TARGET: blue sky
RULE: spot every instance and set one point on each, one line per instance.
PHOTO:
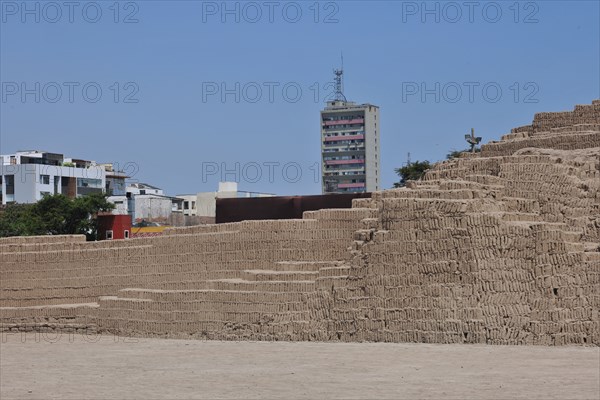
(158, 68)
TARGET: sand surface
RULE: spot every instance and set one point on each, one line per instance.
(74, 367)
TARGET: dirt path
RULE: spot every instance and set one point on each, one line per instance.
(121, 368)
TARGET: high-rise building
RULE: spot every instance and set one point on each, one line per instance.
(349, 145)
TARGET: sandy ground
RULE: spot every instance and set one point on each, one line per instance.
(74, 367)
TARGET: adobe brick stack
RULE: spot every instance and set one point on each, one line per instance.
(498, 248)
(569, 130)
(501, 247)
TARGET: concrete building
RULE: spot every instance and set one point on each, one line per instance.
(149, 203)
(152, 207)
(350, 147)
(116, 184)
(144, 188)
(27, 176)
(349, 144)
(116, 189)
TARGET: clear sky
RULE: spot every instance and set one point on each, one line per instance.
(434, 68)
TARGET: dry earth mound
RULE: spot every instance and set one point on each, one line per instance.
(501, 247)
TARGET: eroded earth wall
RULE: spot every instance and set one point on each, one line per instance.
(498, 247)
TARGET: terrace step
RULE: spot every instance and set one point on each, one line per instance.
(212, 295)
(271, 275)
(124, 304)
(48, 327)
(274, 286)
(303, 265)
(331, 282)
(334, 271)
(248, 317)
(241, 285)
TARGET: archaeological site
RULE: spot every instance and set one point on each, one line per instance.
(496, 247)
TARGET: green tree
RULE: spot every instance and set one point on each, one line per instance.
(54, 215)
(19, 220)
(85, 211)
(411, 172)
(457, 153)
(454, 154)
(54, 212)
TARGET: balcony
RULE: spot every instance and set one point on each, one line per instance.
(340, 138)
(351, 185)
(344, 122)
(330, 154)
(344, 162)
(338, 170)
(345, 175)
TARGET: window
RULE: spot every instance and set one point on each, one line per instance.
(44, 194)
(109, 235)
(10, 187)
(45, 179)
(91, 183)
(126, 234)
(87, 186)
(142, 191)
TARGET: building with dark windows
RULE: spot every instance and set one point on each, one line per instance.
(350, 147)
(28, 176)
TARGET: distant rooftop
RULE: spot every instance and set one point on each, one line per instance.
(338, 105)
(144, 186)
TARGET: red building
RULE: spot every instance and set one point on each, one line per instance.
(112, 226)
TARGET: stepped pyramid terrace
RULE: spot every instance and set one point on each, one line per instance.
(496, 247)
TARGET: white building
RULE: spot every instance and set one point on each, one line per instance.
(27, 176)
(204, 204)
(149, 203)
(144, 188)
(350, 144)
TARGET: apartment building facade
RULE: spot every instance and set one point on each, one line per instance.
(350, 147)
(28, 176)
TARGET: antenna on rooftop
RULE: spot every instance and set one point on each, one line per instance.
(339, 82)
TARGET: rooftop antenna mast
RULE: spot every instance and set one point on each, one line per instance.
(339, 82)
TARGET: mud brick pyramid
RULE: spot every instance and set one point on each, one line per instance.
(499, 247)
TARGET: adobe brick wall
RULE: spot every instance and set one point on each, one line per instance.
(502, 247)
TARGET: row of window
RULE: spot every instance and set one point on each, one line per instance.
(347, 148)
(344, 158)
(342, 117)
(340, 174)
(338, 134)
(81, 182)
(360, 166)
(358, 125)
(109, 235)
(186, 205)
(341, 142)
(354, 190)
